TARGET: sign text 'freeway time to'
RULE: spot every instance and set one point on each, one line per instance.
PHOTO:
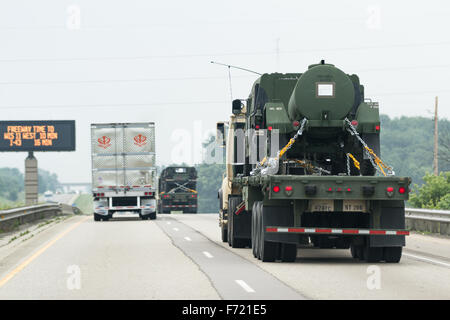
(51, 135)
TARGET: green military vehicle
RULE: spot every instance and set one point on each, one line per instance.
(304, 169)
(177, 190)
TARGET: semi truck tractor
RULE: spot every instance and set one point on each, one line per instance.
(177, 190)
(123, 170)
(304, 169)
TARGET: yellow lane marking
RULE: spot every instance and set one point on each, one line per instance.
(21, 266)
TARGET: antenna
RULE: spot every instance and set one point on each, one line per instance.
(229, 73)
(230, 66)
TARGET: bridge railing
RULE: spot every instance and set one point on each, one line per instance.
(427, 220)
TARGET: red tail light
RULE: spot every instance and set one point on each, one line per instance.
(390, 189)
(269, 128)
(401, 190)
(354, 123)
(377, 128)
(288, 188)
(276, 189)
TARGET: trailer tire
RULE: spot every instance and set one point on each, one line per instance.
(288, 252)
(268, 250)
(253, 230)
(152, 216)
(355, 251)
(373, 254)
(258, 229)
(392, 254)
(97, 217)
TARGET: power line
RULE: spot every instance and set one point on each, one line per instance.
(196, 55)
(113, 80)
(100, 81)
(112, 105)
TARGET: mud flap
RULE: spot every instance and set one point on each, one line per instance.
(391, 218)
(280, 217)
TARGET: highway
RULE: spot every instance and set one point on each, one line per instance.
(181, 257)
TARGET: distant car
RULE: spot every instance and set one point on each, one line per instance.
(48, 196)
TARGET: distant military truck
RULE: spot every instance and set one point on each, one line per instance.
(177, 190)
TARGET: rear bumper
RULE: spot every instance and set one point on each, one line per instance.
(174, 206)
(145, 209)
(372, 237)
(338, 231)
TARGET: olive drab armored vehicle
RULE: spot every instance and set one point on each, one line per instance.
(304, 168)
(177, 190)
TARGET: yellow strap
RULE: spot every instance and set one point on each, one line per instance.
(283, 151)
(263, 161)
(355, 162)
(378, 161)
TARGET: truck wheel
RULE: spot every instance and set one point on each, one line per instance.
(288, 252)
(152, 216)
(229, 228)
(253, 231)
(373, 254)
(392, 254)
(268, 250)
(355, 251)
(258, 229)
(224, 233)
(97, 217)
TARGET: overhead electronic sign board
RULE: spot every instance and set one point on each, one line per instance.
(40, 135)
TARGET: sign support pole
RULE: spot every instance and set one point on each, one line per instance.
(31, 180)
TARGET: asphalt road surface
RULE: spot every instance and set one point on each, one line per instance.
(181, 257)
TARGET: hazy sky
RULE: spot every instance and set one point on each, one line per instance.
(128, 60)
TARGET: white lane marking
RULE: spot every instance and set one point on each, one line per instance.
(208, 255)
(245, 286)
(187, 239)
(176, 229)
(427, 260)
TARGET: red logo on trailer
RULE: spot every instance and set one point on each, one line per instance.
(104, 142)
(140, 140)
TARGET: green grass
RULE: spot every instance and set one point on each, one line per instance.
(6, 204)
(85, 203)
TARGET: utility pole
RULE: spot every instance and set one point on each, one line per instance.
(435, 158)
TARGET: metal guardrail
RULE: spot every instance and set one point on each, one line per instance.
(435, 221)
(12, 218)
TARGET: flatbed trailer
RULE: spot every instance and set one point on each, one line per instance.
(276, 213)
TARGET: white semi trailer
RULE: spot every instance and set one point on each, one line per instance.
(123, 169)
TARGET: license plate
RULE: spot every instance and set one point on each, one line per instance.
(321, 205)
(354, 206)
